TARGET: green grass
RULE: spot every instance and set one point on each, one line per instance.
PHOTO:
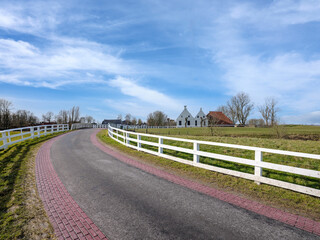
(291, 132)
(21, 212)
(288, 200)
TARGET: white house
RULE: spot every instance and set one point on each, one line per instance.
(185, 119)
(200, 119)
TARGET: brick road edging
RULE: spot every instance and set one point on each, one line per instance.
(66, 217)
(303, 223)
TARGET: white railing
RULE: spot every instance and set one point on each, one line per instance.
(75, 126)
(124, 138)
(11, 136)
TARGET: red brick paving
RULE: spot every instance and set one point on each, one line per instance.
(270, 212)
(66, 217)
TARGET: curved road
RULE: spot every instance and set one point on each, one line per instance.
(127, 203)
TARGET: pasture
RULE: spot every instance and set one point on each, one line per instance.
(295, 132)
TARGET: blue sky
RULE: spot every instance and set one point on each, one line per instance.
(118, 57)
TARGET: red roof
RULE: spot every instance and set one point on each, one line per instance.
(221, 118)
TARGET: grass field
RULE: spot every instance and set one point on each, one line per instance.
(297, 132)
(281, 198)
(21, 211)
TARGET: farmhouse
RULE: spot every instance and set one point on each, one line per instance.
(112, 121)
(185, 119)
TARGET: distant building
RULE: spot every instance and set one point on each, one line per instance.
(112, 121)
(185, 119)
(219, 118)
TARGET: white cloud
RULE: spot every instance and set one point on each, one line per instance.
(279, 13)
(290, 77)
(147, 95)
(25, 64)
(307, 118)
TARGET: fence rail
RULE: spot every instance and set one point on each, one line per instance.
(123, 137)
(11, 136)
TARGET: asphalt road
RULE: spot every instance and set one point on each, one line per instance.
(127, 203)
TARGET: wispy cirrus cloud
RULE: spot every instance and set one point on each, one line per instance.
(131, 88)
(25, 64)
(252, 64)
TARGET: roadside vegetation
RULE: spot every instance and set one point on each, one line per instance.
(287, 200)
(22, 215)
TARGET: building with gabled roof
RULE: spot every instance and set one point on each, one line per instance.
(201, 119)
(185, 119)
(219, 118)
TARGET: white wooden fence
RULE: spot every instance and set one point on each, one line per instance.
(123, 137)
(11, 136)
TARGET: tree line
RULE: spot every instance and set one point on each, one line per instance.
(156, 118)
(24, 118)
(239, 108)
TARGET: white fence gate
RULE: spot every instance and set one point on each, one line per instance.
(124, 138)
(11, 136)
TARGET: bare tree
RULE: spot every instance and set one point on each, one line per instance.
(256, 122)
(269, 111)
(150, 120)
(120, 117)
(5, 112)
(232, 111)
(128, 118)
(160, 118)
(273, 110)
(89, 119)
(47, 117)
(243, 106)
(134, 121)
(213, 125)
(229, 111)
(74, 114)
(157, 118)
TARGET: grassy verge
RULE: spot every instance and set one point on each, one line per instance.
(289, 201)
(22, 215)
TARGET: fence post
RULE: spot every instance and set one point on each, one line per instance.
(160, 149)
(5, 142)
(139, 141)
(32, 132)
(196, 157)
(127, 140)
(258, 170)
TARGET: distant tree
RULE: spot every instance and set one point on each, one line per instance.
(5, 114)
(47, 117)
(157, 118)
(134, 121)
(213, 125)
(89, 119)
(119, 117)
(160, 118)
(256, 122)
(127, 118)
(242, 105)
(269, 111)
(150, 120)
(139, 122)
(74, 114)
